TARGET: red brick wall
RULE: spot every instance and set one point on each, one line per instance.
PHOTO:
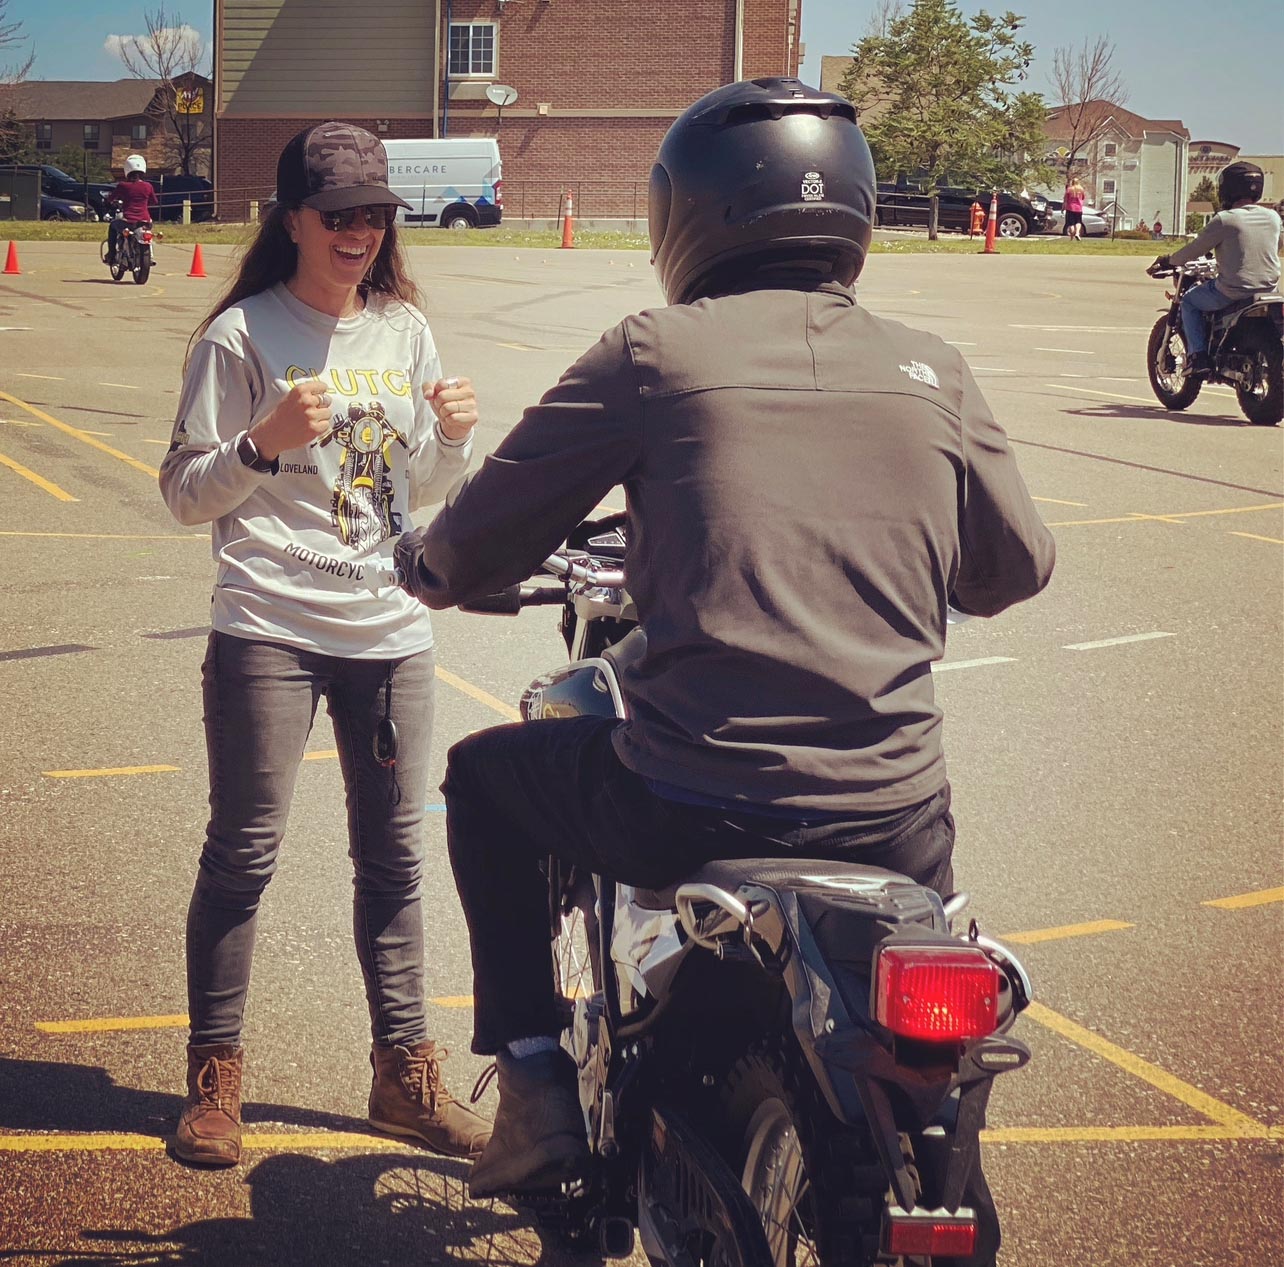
(588, 55)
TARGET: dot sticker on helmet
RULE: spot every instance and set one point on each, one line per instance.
(813, 187)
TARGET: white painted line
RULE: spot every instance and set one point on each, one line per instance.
(1074, 376)
(1065, 387)
(6, 328)
(1111, 378)
(164, 442)
(1085, 329)
(129, 387)
(53, 378)
(1067, 351)
(990, 369)
(1115, 642)
(972, 664)
(959, 343)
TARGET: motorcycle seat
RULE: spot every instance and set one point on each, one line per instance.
(1262, 297)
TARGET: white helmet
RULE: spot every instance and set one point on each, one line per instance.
(135, 163)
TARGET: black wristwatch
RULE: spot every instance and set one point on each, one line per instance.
(249, 454)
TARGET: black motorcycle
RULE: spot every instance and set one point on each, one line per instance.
(1245, 349)
(133, 252)
(781, 1062)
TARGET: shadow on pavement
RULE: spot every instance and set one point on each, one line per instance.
(353, 1212)
(1157, 411)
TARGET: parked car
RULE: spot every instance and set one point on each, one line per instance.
(1095, 225)
(172, 190)
(905, 205)
(52, 208)
(60, 186)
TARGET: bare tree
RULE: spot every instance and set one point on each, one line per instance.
(11, 131)
(1090, 91)
(884, 13)
(172, 53)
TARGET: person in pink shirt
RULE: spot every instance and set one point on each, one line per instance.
(1074, 210)
(136, 197)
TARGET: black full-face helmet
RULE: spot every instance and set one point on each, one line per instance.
(1239, 181)
(762, 177)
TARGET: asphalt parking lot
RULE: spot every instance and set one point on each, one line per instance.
(1115, 750)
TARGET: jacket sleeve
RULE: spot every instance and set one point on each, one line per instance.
(202, 478)
(1006, 554)
(1213, 232)
(552, 469)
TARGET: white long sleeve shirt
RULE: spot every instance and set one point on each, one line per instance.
(295, 549)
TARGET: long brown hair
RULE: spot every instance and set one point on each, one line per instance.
(272, 257)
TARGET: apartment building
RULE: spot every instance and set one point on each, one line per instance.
(597, 81)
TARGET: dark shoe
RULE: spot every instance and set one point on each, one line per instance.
(539, 1140)
(1199, 364)
(409, 1097)
(209, 1130)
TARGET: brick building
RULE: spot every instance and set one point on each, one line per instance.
(598, 82)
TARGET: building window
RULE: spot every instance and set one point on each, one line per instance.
(138, 134)
(1108, 188)
(91, 136)
(471, 52)
(44, 136)
(1111, 149)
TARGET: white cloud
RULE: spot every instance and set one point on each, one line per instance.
(174, 37)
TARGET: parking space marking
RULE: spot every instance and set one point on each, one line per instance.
(476, 692)
(1210, 1107)
(53, 378)
(1121, 1134)
(326, 754)
(1067, 351)
(110, 772)
(1145, 400)
(82, 436)
(1056, 501)
(1260, 898)
(1066, 930)
(1083, 329)
(105, 1023)
(1176, 516)
(38, 480)
(110, 536)
(1116, 642)
(128, 387)
(972, 664)
(1252, 536)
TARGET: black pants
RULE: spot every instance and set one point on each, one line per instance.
(516, 794)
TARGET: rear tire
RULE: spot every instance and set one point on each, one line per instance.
(1166, 361)
(458, 218)
(143, 271)
(818, 1186)
(1263, 402)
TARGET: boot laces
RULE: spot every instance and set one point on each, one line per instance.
(423, 1076)
(482, 1084)
(219, 1082)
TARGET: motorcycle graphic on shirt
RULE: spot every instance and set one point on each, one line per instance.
(361, 505)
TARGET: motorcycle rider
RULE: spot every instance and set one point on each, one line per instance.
(807, 486)
(1245, 239)
(136, 197)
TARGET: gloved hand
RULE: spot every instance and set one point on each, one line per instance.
(407, 556)
(1161, 265)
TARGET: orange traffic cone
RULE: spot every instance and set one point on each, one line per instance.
(11, 263)
(198, 263)
(992, 227)
(568, 223)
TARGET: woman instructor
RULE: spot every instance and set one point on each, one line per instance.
(313, 419)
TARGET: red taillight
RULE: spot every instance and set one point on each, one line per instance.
(930, 1233)
(936, 994)
(147, 236)
(499, 193)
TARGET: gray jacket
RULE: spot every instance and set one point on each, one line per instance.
(1246, 245)
(807, 485)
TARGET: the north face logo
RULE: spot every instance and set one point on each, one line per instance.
(921, 373)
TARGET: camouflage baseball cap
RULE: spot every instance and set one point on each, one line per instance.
(334, 166)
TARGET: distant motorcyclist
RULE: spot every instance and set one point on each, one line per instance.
(808, 484)
(135, 197)
(1245, 239)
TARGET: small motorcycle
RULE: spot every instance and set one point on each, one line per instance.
(1245, 349)
(781, 1061)
(133, 252)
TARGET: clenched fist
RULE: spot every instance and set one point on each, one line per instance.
(302, 417)
(455, 404)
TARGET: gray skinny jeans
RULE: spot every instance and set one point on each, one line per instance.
(260, 702)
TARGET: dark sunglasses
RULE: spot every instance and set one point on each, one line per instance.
(377, 217)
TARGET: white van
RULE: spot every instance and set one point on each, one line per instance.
(455, 183)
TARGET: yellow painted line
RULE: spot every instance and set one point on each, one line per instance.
(102, 1024)
(166, 443)
(1066, 930)
(1122, 1134)
(1056, 501)
(1119, 519)
(82, 436)
(38, 480)
(1231, 510)
(1260, 898)
(129, 387)
(1145, 400)
(517, 347)
(327, 754)
(476, 692)
(1252, 536)
(1176, 516)
(110, 536)
(264, 1140)
(107, 773)
(1166, 1082)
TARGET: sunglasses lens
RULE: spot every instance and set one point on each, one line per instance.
(379, 217)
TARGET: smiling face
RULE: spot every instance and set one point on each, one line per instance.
(331, 265)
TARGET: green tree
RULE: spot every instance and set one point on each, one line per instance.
(936, 92)
(1206, 191)
(11, 132)
(77, 161)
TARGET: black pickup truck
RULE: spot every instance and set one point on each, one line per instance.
(905, 205)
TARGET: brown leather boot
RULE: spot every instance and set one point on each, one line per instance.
(409, 1097)
(209, 1130)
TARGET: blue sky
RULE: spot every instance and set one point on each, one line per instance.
(1235, 93)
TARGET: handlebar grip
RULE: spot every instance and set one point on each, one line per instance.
(508, 602)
